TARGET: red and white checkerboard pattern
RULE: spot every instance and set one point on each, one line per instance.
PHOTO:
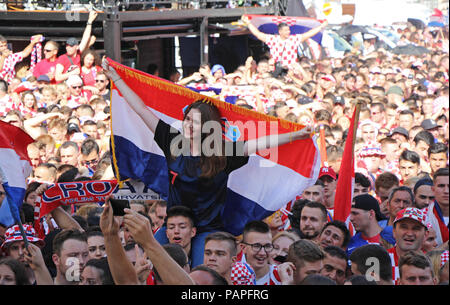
(288, 20)
(241, 274)
(8, 72)
(394, 262)
(13, 234)
(444, 258)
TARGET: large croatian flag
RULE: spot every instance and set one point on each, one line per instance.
(269, 24)
(255, 191)
(15, 167)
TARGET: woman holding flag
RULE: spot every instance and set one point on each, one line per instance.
(198, 169)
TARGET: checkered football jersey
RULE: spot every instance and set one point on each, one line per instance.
(284, 50)
(394, 261)
(8, 72)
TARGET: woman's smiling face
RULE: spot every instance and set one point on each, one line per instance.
(192, 124)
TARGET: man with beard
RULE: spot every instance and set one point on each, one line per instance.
(409, 232)
(312, 220)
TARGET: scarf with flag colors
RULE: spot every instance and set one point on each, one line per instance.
(15, 167)
(435, 218)
(254, 191)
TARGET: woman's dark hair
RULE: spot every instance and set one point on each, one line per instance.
(19, 270)
(210, 166)
(360, 280)
(102, 265)
(31, 188)
(97, 61)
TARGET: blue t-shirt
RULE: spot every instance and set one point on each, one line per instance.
(359, 240)
(205, 196)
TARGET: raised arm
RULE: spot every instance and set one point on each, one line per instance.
(122, 270)
(3, 56)
(135, 102)
(27, 51)
(272, 141)
(37, 121)
(171, 273)
(33, 257)
(85, 40)
(61, 217)
(60, 76)
(196, 76)
(258, 34)
(311, 33)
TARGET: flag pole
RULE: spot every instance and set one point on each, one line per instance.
(323, 147)
(22, 232)
(355, 127)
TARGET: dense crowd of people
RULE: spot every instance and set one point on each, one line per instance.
(401, 192)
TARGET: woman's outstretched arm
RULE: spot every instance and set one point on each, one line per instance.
(272, 141)
(135, 102)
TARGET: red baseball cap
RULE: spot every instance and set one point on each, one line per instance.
(411, 213)
(327, 171)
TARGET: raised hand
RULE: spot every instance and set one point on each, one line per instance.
(108, 224)
(139, 227)
(286, 273)
(143, 266)
(110, 71)
(92, 16)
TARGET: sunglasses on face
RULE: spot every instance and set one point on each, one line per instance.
(90, 162)
(2, 193)
(77, 87)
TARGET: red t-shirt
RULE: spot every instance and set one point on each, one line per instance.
(64, 60)
(44, 67)
(89, 78)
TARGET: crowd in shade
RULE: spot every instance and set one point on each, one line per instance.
(400, 209)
